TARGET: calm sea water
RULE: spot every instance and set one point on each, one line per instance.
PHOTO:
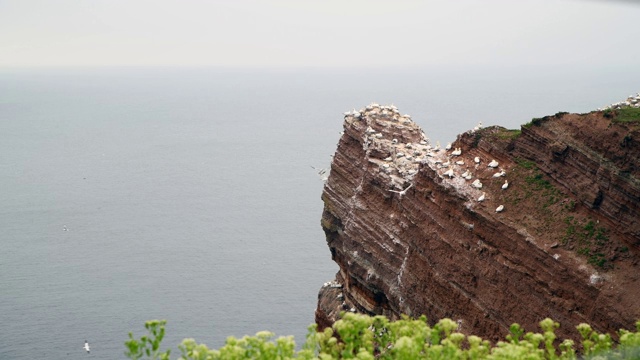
(187, 194)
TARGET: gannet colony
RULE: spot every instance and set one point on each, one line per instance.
(632, 101)
(406, 158)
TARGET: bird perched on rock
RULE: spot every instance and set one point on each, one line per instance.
(505, 185)
(481, 198)
(449, 173)
(500, 208)
(493, 164)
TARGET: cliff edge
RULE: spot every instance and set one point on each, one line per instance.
(503, 226)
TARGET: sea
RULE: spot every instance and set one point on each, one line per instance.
(189, 194)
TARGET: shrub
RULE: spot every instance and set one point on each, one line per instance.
(364, 337)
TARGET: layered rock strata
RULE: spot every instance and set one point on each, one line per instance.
(410, 236)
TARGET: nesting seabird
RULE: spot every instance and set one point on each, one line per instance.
(505, 185)
(456, 152)
(500, 208)
(476, 160)
(449, 173)
(481, 198)
(493, 164)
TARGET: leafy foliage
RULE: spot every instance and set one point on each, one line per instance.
(363, 337)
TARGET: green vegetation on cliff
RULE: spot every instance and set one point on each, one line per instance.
(623, 115)
(363, 337)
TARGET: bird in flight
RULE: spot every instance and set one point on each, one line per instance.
(86, 346)
(403, 192)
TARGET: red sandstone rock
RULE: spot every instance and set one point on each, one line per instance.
(566, 245)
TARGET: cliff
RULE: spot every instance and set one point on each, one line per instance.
(403, 221)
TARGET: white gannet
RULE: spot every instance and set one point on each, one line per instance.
(394, 141)
(449, 173)
(457, 152)
(493, 164)
(476, 184)
(448, 147)
(465, 174)
(499, 174)
(505, 185)
(379, 135)
(86, 346)
(369, 130)
(476, 160)
(460, 162)
(402, 192)
(481, 198)
(500, 208)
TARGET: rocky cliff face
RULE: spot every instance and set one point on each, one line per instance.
(403, 221)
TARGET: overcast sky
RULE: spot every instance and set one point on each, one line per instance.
(318, 32)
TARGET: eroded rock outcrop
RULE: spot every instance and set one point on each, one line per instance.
(410, 236)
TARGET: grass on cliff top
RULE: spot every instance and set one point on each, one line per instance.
(508, 134)
(624, 115)
(539, 121)
(363, 337)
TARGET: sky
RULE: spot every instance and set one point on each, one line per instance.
(318, 33)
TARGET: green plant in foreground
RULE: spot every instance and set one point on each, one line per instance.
(363, 337)
(148, 345)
